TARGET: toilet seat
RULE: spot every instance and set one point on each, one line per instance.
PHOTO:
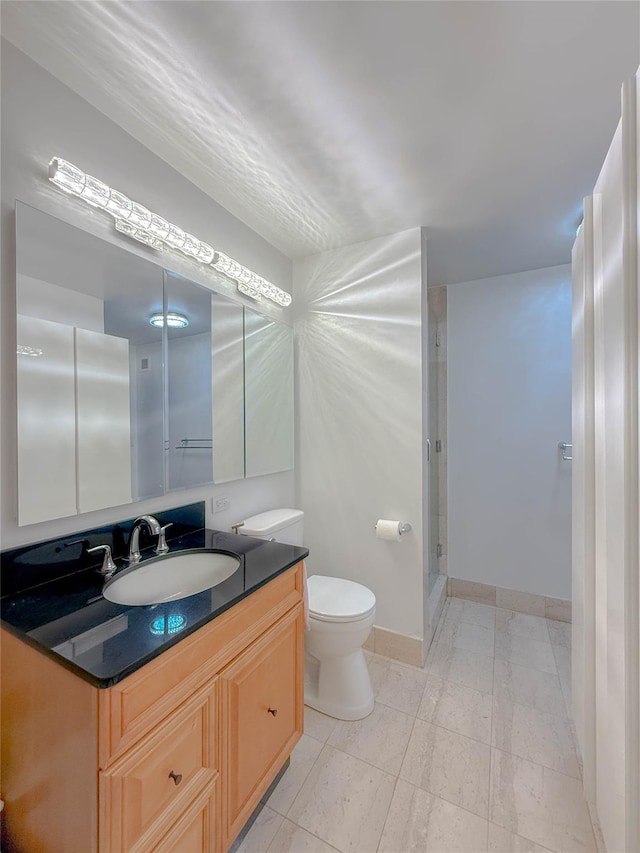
(339, 600)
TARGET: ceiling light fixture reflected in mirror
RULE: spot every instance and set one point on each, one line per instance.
(173, 320)
(171, 624)
(147, 227)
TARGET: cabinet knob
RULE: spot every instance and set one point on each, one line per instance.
(273, 711)
(177, 777)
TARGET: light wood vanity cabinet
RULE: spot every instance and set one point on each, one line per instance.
(176, 756)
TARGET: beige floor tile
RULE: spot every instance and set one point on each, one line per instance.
(539, 804)
(503, 841)
(302, 759)
(449, 765)
(344, 801)
(293, 839)
(262, 833)
(458, 708)
(419, 821)
(597, 831)
(472, 612)
(562, 657)
(380, 739)
(540, 737)
(317, 725)
(462, 667)
(528, 686)
(465, 635)
(525, 652)
(398, 686)
(559, 632)
(522, 625)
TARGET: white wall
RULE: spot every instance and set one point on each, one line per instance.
(42, 118)
(509, 404)
(359, 428)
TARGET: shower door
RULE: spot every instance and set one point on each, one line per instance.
(437, 472)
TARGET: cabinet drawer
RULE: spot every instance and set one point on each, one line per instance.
(130, 709)
(157, 779)
(197, 830)
(262, 701)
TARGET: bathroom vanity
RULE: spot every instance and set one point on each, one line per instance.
(156, 728)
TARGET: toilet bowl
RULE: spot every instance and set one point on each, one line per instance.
(341, 615)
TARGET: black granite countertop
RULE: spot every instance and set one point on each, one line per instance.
(69, 620)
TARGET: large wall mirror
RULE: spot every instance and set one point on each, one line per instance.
(114, 408)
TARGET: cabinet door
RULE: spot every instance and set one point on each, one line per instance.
(152, 785)
(262, 701)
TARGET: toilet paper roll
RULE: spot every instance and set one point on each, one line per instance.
(388, 529)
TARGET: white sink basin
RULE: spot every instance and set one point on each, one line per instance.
(169, 578)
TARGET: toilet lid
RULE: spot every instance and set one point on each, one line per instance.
(339, 600)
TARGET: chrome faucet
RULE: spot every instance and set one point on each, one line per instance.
(153, 526)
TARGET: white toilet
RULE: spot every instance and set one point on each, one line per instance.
(336, 679)
(341, 615)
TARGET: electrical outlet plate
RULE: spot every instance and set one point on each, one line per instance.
(220, 504)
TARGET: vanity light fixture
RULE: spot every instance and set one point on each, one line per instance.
(147, 227)
(173, 320)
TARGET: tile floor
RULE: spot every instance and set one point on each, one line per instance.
(474, 753)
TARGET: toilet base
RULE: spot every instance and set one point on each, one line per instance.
(339, 687)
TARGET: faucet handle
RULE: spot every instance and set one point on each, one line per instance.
(108, 566)
(162, 547)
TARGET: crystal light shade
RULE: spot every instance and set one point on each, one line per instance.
(248, 291)
(175, 237)
(125, 227)
(158, 226)
(67, 176)
(140, 216)
(95, 192)
(191, 245)
(119, 205)
(136, 221)
(205, 253)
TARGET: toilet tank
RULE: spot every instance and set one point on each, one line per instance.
(283, 525)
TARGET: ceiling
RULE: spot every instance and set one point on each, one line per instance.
(321, 124)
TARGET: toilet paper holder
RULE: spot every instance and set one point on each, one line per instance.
(404, 527)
